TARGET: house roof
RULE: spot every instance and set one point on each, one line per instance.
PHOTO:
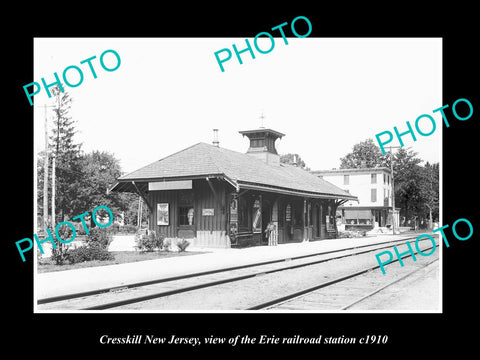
(352, 171)
(244, 171)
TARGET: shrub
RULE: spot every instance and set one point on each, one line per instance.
(130, 229)
(166, 244)
(80, 229)
(149, 242)
(115, 228)
(58, 255)
(182, 245)
(99, 237)
(351, 233)
(85, 253)
(59, 252)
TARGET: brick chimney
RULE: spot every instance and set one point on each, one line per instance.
(215, 138)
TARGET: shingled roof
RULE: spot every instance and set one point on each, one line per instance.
(244, 171)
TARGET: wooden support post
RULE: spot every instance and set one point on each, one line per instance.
(215, 195)
(336, 204)
(144, 197)
(218, 200)
(304, 218)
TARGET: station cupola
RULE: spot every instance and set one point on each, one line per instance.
(262, 144)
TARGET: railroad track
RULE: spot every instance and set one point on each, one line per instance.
(111, 298)
(340, 293)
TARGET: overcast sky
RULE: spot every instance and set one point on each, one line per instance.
(325, 94)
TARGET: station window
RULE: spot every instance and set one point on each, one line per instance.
(185, 215)
(346, 179)
(298, 215)
(242, 213)
(288, 213)
(374, 178)
(185, 208)
(374, 195)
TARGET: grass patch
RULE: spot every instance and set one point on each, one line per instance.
(121, 257)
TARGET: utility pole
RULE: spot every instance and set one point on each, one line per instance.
(393, 189)
(45, 176)
(53, 163)
(53, 190)
(139, 212)
(45, 168)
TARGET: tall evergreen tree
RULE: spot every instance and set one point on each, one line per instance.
(68, 158)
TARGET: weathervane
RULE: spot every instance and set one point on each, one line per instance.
(262, 117)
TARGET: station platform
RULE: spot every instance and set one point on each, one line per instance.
(94, 278)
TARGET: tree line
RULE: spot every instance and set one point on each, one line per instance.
(81, 179)
(416, 185)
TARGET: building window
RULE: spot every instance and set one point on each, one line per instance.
(288, 213)
(374, 196)
(309, 213)
(346, 179)
(185, 208)
(384, 178)
(374, 178)
(185, 215)
(297, 214)
(242, 213)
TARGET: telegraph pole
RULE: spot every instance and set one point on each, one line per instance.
(53, 163)
(139, 212)
(45, 176)
(393, 189)
(45, 168)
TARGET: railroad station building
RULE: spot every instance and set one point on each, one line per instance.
(216, 197)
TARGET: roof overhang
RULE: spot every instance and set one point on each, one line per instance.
(285, 191)
(125, 185)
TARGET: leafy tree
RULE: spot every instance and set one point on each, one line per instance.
(416, 186)
(99, 171)
(289, 159)
(365, 154)
(408, 176)
(68, 157)
(430, 190)
(131, 213)
(81, 180)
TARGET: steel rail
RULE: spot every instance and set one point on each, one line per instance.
(387, 285)
(300, 293)
(222, 281)
(209, 272)
(185, 276)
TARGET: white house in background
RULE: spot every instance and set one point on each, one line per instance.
(373, 187)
